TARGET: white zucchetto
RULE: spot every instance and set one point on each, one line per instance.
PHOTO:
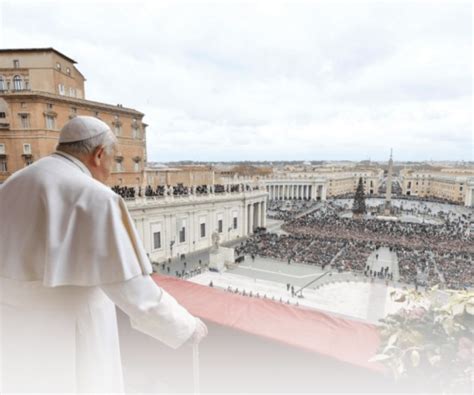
(82, 128)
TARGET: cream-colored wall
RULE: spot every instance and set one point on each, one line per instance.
(43, 140)
(445, 184)
(39, 68)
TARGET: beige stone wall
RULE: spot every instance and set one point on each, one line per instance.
(186, 177)
(43, 140)
(56, 89)
(445, 184)
(42, 71)
(340, 185)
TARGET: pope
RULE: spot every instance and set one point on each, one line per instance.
(69, 253)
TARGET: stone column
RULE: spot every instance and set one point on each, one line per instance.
(244, 224)
(251, 219)
(256, 214)
(264, 214)
(469, 197)
(323, 193)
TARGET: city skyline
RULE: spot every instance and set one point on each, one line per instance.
(273, 81)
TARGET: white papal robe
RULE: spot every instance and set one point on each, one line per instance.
(69, 253)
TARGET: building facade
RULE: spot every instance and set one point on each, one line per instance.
(447, 184)
(181, 175)
(40, 90)
(320, 184)
(173, 225)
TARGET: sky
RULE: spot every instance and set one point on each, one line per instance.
(271, 80)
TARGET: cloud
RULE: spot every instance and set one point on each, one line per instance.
(271, 80)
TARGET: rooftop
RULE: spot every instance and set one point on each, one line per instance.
(48, 49)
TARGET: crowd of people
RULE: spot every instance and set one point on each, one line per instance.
(180, 190)
(125, 192)
(427, 254)
(341, 254)
(288, 209)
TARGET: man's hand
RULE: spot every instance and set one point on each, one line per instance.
(199, 333)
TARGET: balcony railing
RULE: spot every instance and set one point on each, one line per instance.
(24, 87)
(152, 200)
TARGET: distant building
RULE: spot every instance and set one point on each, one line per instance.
(180, 175)
(173, 225)
(454, 185)
(40, 90)
(319, 183)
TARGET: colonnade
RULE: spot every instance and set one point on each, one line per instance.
(256, 216)
(469, 200)
(298, 191)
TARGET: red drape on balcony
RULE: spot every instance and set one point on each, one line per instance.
(346, 340)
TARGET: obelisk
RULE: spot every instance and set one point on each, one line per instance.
(388, 194)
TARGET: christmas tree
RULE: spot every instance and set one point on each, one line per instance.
(358, 207)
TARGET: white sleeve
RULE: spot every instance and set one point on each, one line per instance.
(152, 310)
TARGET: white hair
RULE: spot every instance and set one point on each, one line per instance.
(86, 147)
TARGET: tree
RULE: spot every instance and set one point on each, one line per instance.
(358, 207)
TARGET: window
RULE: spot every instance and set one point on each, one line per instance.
(136, 166)
(203, 230)
(182, 232)
(135, 132)
(50, 122)
(3, 115)
(61, 89)
(156, 240)
(27, 149)
(118, 130)
(3, 166)
(68, 71)
(72, 92)
(118, 165)
(182, 235)
(17, 83)
(49, 106)
(24, 121)
(2, 149)
(2, 83)
(58, 66)
(16, 64)
(220, 226)
(235, 223)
